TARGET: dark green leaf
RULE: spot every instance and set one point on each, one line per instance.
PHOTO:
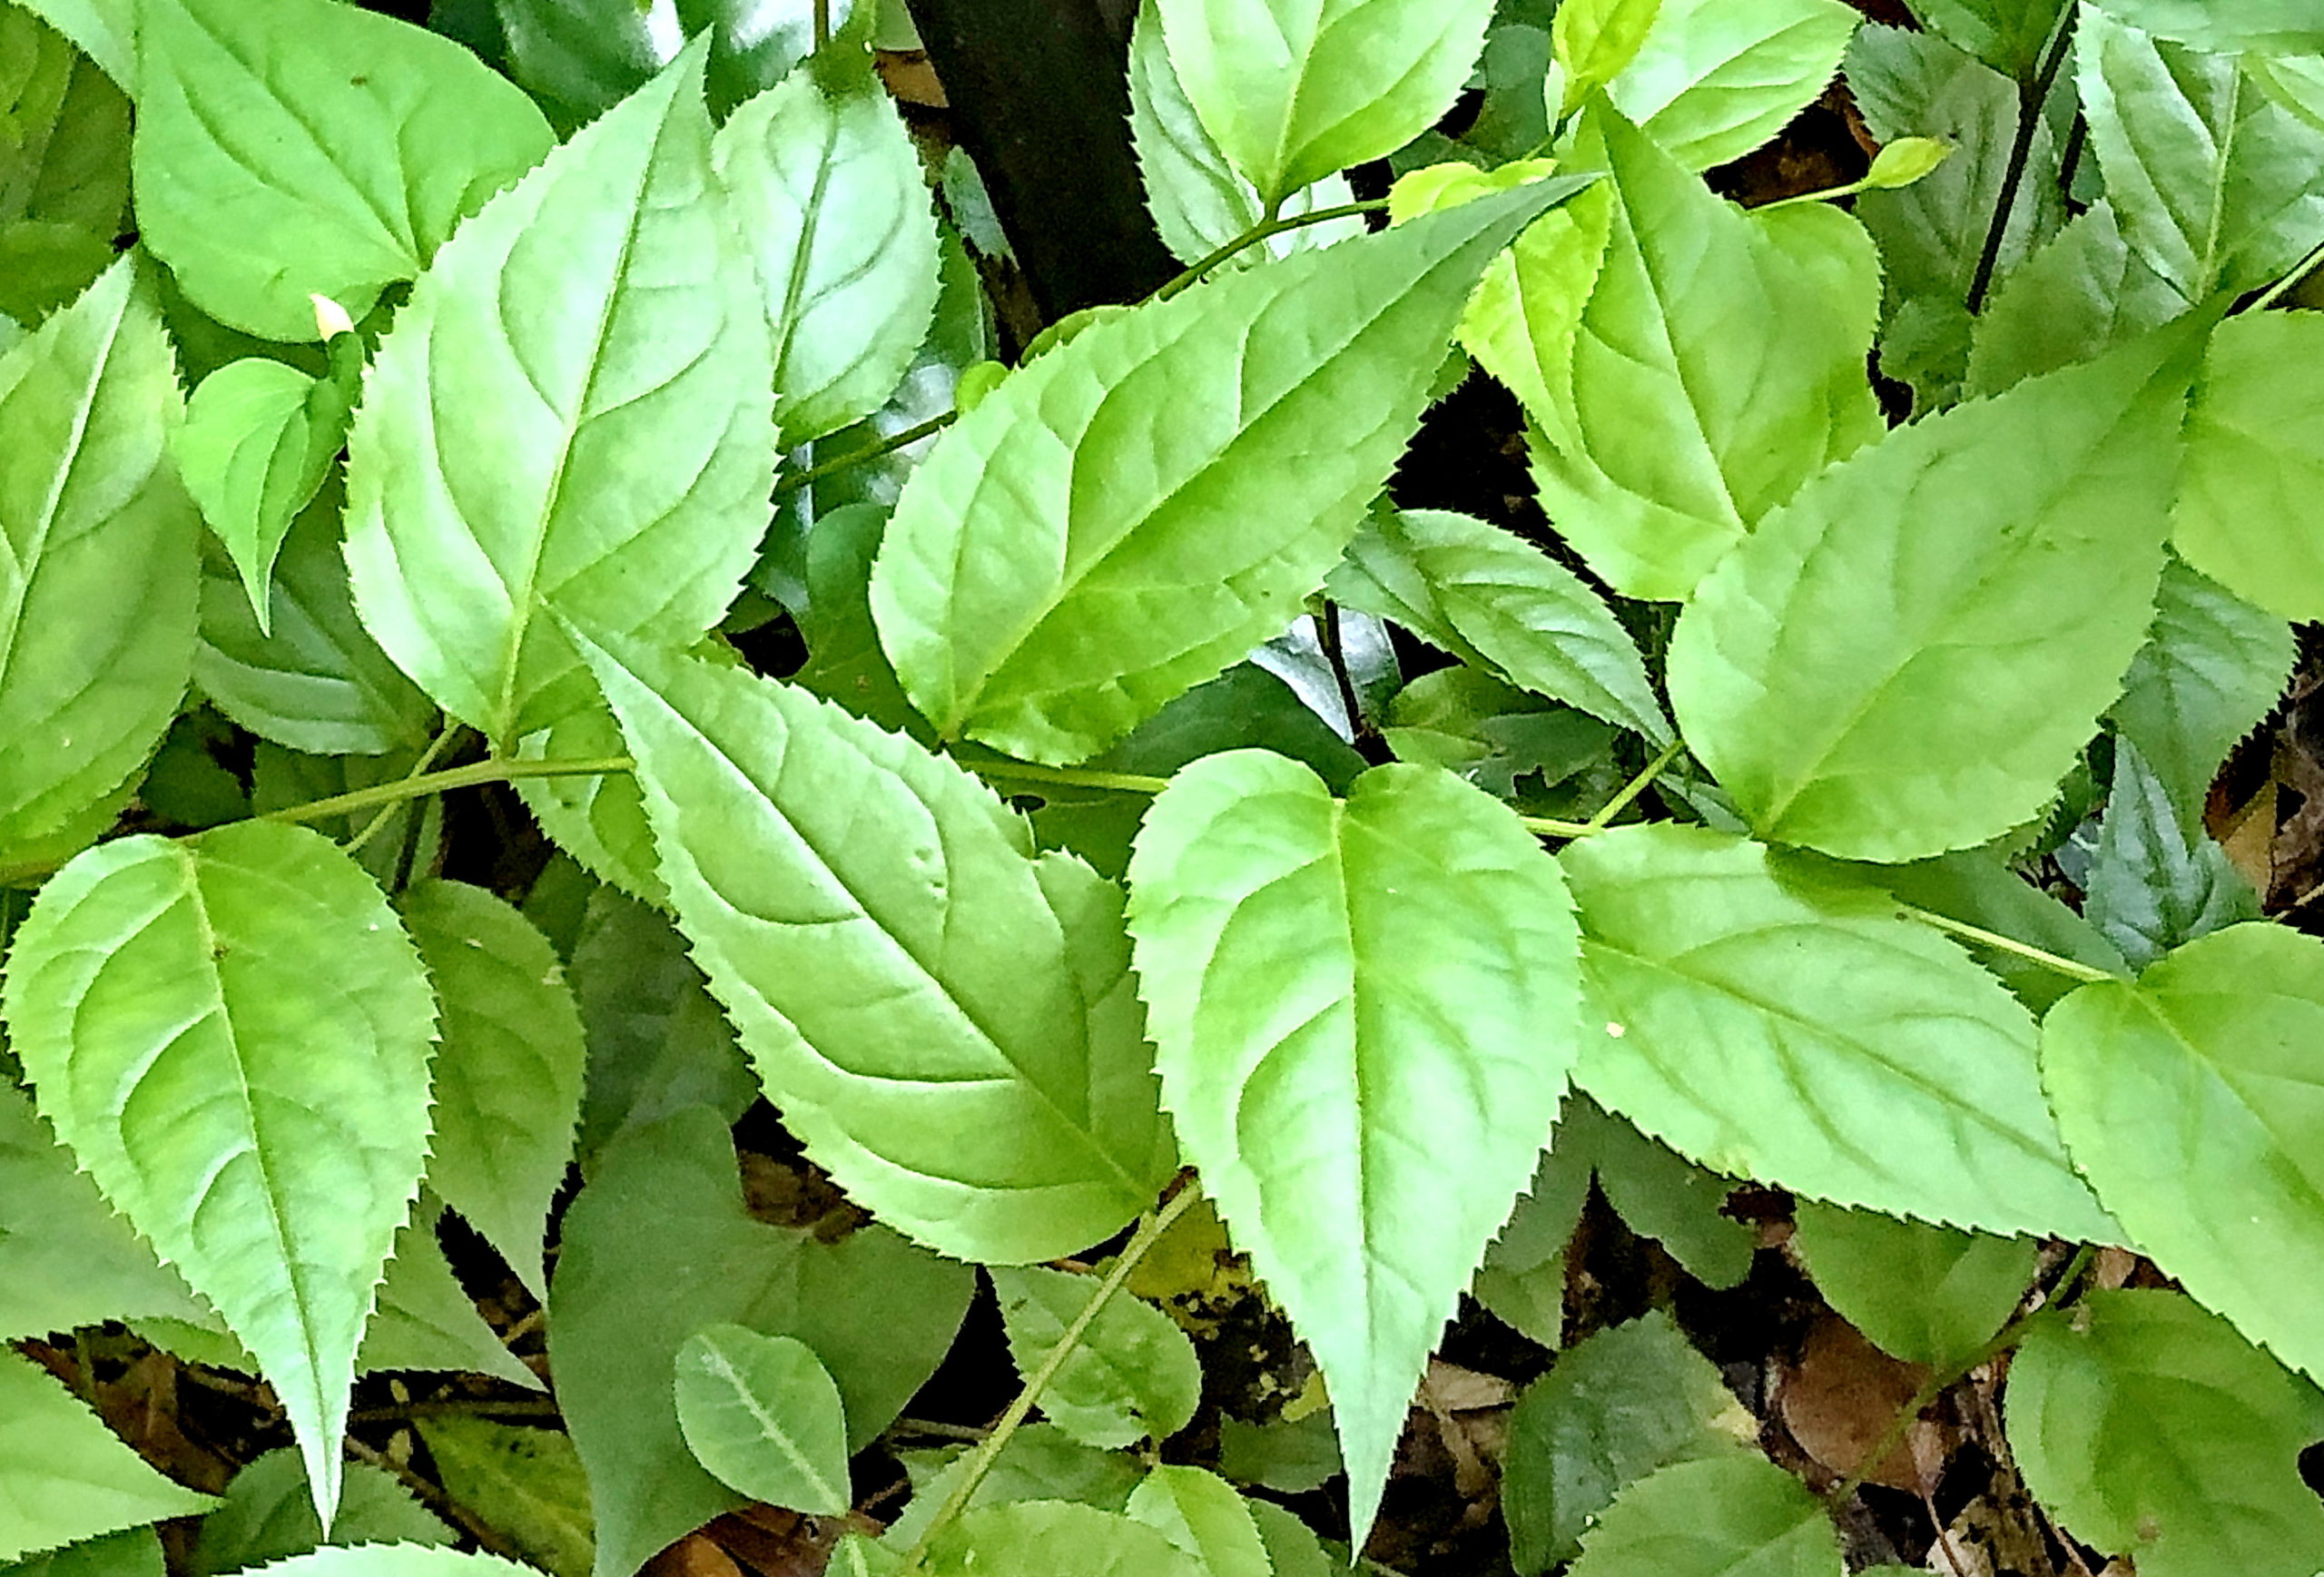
(2157, 880)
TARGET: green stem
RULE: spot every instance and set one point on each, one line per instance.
(2031, 97)
(2072, 968)
(499, 770)
(1551, 827)
(428, 758)
(1636, 786)
(822, 24)
(1265, 229)
(2289, 282)
(868, 453)
(1129, 783)
(979, 1463)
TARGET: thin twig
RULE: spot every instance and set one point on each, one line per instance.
(428, 758)
(1265, 229)
(2031, 97)
(867, 454)
(1636, 786)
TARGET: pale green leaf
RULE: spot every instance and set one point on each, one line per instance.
(601, 310)
(600, 822)
(1614, 1408)
(2006, 34)
(1775, 1022)
(2295, 82)
(2215, 184)
(657, 1041)
(762, 1414)
(1293, 1548)
(1592, 40)
(508, 1075)
(259, 437)
(103, 30)
(1198, 202)
(97, 579)
(405, 1560)
(309, 148)
(989, 1092)
(267, 1515)
(2194, 1103)
(2229, 26)
(1927, 1295)
(1365, 1084)
(2211, 670)
(1056, 1539)
(166, 999)
(1904, 160)
(1133, 1376)
(527, 1484)
(2081, 295)
(318, 682)
(2148, 1429)
(1201, 1514)
(2253, 467)
(64, 1476)
(659, 1244)
(1047, 617)
(1295, 90)
(135, 1553)
(1494, 599)
(425, 1322)
(1714, 79)
(824, 181)
(65, 1258)
(1718, 364)
(1739, 1515)
(2157, 879)
(1907, 659)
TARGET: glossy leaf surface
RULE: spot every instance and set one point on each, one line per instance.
(1357, 1037)
(986, 1090)
(2157, 880)
(1756, 1016)
(166, 999)
(1139, 509)
(1713, 80)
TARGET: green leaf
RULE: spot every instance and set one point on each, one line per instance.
(2194, 1102)
(1718, 364)
(1614, 1408)
(65, 1258)
(425, 1322)
(1977, 887)
(259, 437)
(1906, 659)
(1726, 1516)
(1292, 90)
(600, 822)
(1772, 1019)
(508, 1076)
(1293, 1548)
(2078, 297)
(526, 1483)
(2148, 1429)
(665, 1202)
(1039, 1462)
(2211, 670)
(1201, 1513)
(1714, 79)
(1660, 1194)
(840, 965)
(1046, 617)
(1927, 1295)
(1134, 1374)
(581, 57)
(103, 30)
(135, 1553)
(1495, 600)
(1198, 202)
(1592, 40)
(826, 186)
(2216, 185)
(267, 1515)
(762, 1414)
(64, 1476)
(600, 310)
(1320, 1047)
(318, 682)
(97, 589)
(2157, 880)
(394, 1561)
(64, 168)
(1522, 1280)
(2006, 34)
(2252, 466)
(2229, 26)
(307, 148)
(657, 1042)
(1056, 1539)
(166, 999)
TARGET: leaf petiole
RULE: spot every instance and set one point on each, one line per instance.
(1267, 228)
(2072, 968)
(500, 769)
(1636, 786)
